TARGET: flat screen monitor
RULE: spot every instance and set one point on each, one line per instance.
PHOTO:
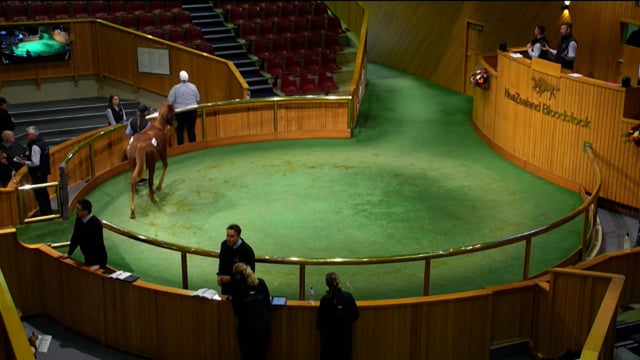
(31, 43)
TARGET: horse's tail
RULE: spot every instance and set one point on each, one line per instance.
(141, 163)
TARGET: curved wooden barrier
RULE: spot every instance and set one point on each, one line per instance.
(539, 117)
(558, 312)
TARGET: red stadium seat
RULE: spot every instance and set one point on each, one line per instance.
(59, 10)
(318, 24)
(137, 7)
(287, 10)
(279, 46)
(334, 25)
(326, 82)
(155, 6)
(308, 84)
(146, 20)
(155, 32)
(117, 8)
(260, 48)
(107, 17)
(39, 11)
(310, 63)
(252, 12)
(234, 15)
(165, 18)
(314, 43)
(332, 42)
(173, 6)
(300, 25)
(79, 9)
(270, 12)
(183, 18)
(289, 85)
(204, 46)
(297, 44)
(273, 65)
(319, 9)
(264, 28)
(293, 65)
(328, 61)
(128, 21)
(193, 32)
(303, 9)
(19, 10)
(98, 8)
(176, 35)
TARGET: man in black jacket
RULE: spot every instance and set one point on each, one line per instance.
(6, 121)
(565, 54)
(233, 249)
(87, 233)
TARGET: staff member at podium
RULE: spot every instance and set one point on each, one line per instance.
(534, 48)
(565, 54)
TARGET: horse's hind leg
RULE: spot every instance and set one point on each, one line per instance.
(164, 171)
(152, 170)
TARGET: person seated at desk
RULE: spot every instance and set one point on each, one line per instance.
(565, 54)
(534, 48)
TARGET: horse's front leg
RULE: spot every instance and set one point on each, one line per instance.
(164, 171)
(152, 170)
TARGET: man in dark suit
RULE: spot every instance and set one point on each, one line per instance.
(87, 233)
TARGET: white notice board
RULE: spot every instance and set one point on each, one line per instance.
(155, 61)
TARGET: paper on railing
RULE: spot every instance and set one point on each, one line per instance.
(43, 343)
(207, 294)
(515, 55)
(120, 275)
(575, 75)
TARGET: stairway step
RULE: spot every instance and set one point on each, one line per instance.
(243, 62)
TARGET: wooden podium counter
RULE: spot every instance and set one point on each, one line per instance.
(540, 117)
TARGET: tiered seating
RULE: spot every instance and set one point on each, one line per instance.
(293, 38)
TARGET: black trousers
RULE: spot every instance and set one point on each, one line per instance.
(253, 342)
(42, 195)
(186, 121)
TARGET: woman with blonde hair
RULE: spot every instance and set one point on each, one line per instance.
(251, 301)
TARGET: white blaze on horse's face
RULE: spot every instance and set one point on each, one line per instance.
(154, 142)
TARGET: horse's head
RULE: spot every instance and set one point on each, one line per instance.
(167, 115)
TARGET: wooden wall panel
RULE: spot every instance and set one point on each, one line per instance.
(575, 301)
(84, 49)
(511, 308)
(202, 327)
(129, 308)
(301, 116)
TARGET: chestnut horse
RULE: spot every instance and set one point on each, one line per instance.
(146, 148)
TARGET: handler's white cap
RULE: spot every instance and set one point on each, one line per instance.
(184, 76)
